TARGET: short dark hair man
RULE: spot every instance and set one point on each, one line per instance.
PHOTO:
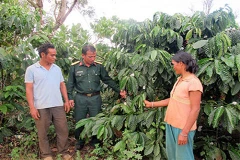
(84, 78)
(44, 90)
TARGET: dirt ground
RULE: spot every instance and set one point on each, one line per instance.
(5, 151)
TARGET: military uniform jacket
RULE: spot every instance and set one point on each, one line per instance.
(87, 79)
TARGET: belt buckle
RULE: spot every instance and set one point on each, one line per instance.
(89, 95)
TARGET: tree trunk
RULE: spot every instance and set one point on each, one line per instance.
(62, 15)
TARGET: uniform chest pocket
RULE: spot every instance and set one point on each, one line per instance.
(95, 75)
(79, 73)
(80, 76)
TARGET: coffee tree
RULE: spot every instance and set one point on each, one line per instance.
(21, 32)
(141, 65)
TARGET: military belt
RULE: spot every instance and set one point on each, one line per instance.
(90, 94)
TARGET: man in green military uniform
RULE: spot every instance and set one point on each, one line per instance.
(84, 78)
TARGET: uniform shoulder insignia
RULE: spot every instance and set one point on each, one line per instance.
(75, 63)
(98, 62)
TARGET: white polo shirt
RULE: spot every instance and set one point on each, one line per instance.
(46, 85)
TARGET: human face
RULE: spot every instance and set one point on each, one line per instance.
(50, 57)
(178, 67)
(89, 58)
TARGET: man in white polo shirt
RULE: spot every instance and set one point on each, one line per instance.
(44, 90)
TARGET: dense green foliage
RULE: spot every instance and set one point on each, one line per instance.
(21, 34)
(139, 59)
(141, 64)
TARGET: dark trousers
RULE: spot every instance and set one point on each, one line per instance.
(57, 116)
(86, 105)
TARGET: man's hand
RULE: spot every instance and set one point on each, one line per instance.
(71, 103)
(34, 113)
(67, 107)
(123, 94)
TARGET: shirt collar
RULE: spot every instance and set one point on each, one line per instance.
(37, 64)
(187, 78)
(83, 64)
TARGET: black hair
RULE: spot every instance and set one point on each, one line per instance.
(88, 48)
(44, 48)
(186, 58)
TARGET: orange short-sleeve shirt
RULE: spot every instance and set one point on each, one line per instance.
(179, 106)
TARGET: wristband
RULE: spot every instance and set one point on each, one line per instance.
(184, 135)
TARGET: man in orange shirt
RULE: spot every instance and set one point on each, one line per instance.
(183, 108)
